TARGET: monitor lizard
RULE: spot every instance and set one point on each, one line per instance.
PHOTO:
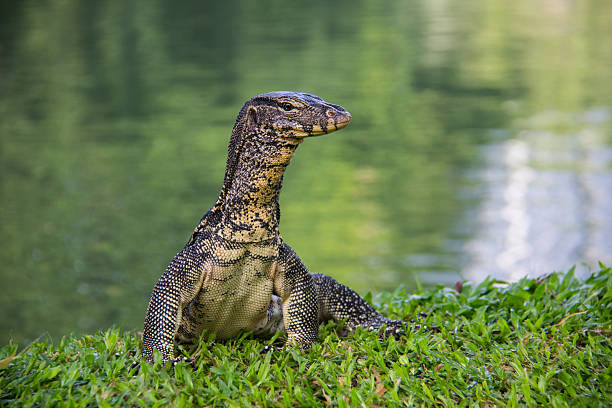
(236, 273)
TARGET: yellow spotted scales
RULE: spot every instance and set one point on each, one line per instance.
(236, 273)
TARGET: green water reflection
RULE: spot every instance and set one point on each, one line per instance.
(114, 120)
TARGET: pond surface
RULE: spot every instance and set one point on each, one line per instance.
(481, 142)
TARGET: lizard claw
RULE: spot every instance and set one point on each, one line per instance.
(270, 348)
(135, 366)
(182, 360)
(395, 328)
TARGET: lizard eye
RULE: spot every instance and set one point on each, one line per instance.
(287, 107)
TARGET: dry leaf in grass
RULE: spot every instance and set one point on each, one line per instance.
(376, 376)
(5, 363)
(380, 390)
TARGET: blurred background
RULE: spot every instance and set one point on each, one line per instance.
(481, 142)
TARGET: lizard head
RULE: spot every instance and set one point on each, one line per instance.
(280, 121)
(294, 114)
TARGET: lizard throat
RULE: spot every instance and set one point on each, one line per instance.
(250, 209)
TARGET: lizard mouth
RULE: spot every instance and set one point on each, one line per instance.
(334, 123)
(299, 131)
(343, 120)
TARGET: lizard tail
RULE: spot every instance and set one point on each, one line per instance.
(340, 303)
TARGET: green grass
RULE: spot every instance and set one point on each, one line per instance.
(543, 342)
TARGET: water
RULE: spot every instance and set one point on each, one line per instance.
(481, 143)
(546, 201)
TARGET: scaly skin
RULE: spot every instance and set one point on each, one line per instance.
(236, 273)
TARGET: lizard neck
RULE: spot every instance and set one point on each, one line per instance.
(248, 203)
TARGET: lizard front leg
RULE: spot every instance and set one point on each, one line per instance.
(177, 286)
(296, 288)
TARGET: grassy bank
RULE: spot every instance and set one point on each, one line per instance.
(535, 342)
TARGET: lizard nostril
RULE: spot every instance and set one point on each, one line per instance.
(330, 113)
